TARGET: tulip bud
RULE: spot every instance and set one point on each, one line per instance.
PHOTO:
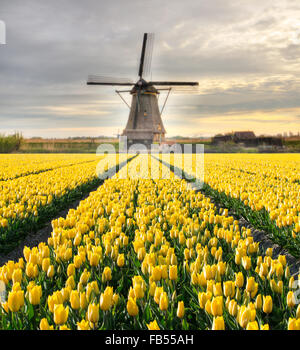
(15, 300)
(156, 273)
(173, 272)
(180, 309)
(217, 289)
(60, 314)
(267, 304)
(258, 302)
(290, 299)
(239, 279)
(83, 300)
(106, 275)
(217, 306)
(50, 271)
(202, 299)
(264, 327)
(44, 325)
(75, 300)
(252, 326)
(35, 294)
(83, 325)
(93, 313)
(121, 260)
(132, 307)
(218, 324)
(163, 301)
(153, 326)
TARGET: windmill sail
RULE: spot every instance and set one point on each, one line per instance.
(105, 80)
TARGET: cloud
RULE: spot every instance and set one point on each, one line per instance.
(244, 54)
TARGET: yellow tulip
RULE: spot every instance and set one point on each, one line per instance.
(218, 324)
(163, 301)
(132, 307)
(258, 302)
(173, 272)
(35, 294)
(264, 327)
(153, 326)
(106, 299)
(83, 325)
(217, 306)
(121, 260)
(71, 270)
(50, 271)
(239, 279)
(290, 299)
(156, 273)
(75, 300)
(44, 325)
(60, 314)
(15, 300)
(93, 313)
(267, 304)
(180, 309)
(252, 326)
(106, 275)
(17, 276)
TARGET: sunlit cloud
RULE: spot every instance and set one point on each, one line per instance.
(245, 56)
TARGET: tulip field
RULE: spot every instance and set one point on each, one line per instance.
(146, 250)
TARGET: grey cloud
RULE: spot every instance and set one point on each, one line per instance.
(53, 46)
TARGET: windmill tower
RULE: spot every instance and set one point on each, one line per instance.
(144, 124)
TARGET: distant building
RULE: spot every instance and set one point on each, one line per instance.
(248, 139)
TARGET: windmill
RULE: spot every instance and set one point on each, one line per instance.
(144, 123)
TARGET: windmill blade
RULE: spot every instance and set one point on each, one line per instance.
(106, 80)
(174, 83)
(146, 54)
(182, 90)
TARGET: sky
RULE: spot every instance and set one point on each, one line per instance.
(244, 54)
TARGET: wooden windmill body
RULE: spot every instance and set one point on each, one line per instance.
(144, 125)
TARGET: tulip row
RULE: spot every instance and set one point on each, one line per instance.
(29, 201)
(148, 254)
(16, 165)
(262, 188)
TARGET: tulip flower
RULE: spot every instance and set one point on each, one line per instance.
(15, 300)
(156, 273)
(180, 309)
(75, 300)
(153, 326)
(290, 299)
(267, 304)
(132, 308)
(106, 275)
(163, 301)
(60, 314)
(218, 324)
(44, 325)
(252, 326)
(106, 299)
(173, 272)
(217, 306)
(93, 313)
(83, 325)
(121, 260)
(35, 294)
(239, 279)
